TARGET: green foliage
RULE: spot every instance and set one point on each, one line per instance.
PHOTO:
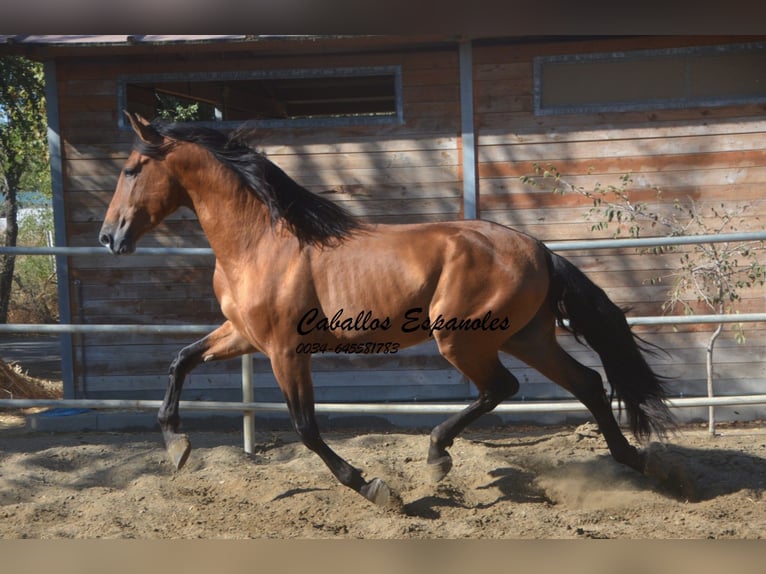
(23, 127)
(24, 164)
(714, 274)
(177, 109)
(34, 298)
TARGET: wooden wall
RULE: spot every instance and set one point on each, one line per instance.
(401, 172)
(710, 154)
(410, 172)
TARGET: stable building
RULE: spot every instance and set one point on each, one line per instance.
(402, 129)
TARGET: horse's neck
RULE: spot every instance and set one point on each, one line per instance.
(234, 220)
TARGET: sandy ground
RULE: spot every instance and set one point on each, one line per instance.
(515, 482)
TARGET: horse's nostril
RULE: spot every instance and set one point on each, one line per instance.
(105, 239)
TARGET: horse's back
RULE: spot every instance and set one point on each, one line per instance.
(462, 269)
(470, 248)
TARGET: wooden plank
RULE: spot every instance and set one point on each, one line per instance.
(181, 231)
(87, 119)
(134, 358)
(686, 368)
(111, 166)
(663, 178)
(663, 142)
(95, 159)
(698, 162)
(297, 166)
(358, 192)
(413, 127)
(500, 73)
(72, 88)
(95, 283)
(418, 386)
(300, 143)
(311, 178)
(528, 128)
(523, 52)
(91, 205)
(436, 61)
(512, 194)
(433, 93)
(279, 143)
(104, 102)
(117, 151)
(578, 225)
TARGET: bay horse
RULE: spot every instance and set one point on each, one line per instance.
(296, 275)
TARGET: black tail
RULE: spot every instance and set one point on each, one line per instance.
(602, 324)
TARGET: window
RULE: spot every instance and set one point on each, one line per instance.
(651, 79)
(288, 98)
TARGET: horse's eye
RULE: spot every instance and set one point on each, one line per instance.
(131, 171)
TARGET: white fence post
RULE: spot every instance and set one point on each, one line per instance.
(248, 419)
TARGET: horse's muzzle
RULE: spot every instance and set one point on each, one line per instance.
(117, 243)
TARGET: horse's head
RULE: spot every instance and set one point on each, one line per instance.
(146, 191)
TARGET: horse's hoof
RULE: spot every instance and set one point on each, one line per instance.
(178, 447)
(633, 458)
(439, 468)
(671, 476)
(377, 492)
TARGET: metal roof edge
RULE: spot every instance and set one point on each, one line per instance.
(149, 39)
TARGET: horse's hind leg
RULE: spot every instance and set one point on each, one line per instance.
(495, 384)
(537, 346)
(223, 343)
(294, 378)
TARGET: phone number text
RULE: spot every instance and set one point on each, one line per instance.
(388, 348)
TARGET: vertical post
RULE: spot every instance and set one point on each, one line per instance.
(59, 224)
(248, 419)
(711, 375)
(470, 210)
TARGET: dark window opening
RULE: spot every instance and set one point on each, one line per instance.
(357, 97)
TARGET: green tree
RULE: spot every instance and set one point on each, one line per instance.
(24, 164)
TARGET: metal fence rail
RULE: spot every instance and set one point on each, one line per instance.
(513, 407)
(248, 407)
(586, 244)
(83, 329)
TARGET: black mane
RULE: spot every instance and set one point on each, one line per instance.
(313, 219)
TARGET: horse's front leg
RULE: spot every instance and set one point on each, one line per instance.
(294, 377)
(223, 343)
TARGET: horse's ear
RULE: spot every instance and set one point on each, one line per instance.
(143, 128)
